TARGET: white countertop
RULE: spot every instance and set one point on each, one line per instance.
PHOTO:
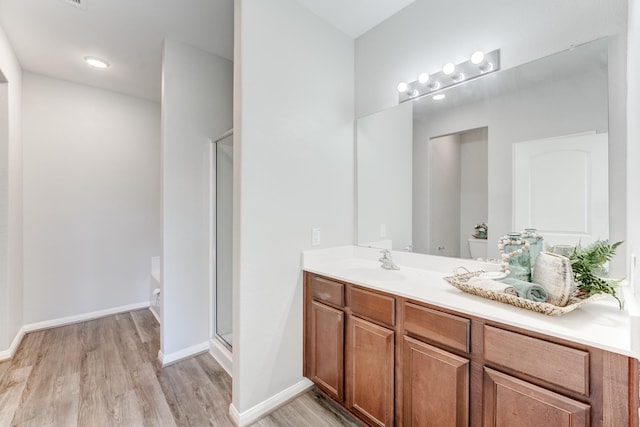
(598, 324)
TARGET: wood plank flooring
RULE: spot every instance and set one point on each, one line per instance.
(104, 372)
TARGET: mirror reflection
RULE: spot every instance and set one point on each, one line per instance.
(524, 147)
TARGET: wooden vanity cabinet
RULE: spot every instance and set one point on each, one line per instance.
(436, 382)
(326, 350)
(393, 361)
(370, 372)
(509, 401)
(324, 335)
(435, 386)
(370, 356)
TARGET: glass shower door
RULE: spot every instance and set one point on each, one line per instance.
(224, 239)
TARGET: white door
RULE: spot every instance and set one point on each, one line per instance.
(561, 188)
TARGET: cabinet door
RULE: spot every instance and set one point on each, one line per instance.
(370, 381)
(512, 402)
(326, 349)
(435, 386)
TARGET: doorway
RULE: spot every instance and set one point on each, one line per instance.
(458, 190)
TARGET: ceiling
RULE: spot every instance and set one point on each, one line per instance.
(51, 37)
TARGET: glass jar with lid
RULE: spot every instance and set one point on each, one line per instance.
(516, 260)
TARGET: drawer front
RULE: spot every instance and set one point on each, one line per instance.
(380, 308)
(327, 290)
(443, 328)
(563, 366)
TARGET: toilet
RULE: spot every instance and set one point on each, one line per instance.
(477, 248)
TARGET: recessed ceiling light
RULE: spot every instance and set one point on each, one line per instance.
(96, 62)
(439, 96)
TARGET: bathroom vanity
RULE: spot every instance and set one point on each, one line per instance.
(404, 348)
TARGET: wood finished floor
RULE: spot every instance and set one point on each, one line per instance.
(104, 372)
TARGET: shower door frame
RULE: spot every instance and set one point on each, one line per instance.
(214, 274)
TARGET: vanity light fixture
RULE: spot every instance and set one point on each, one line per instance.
(450, 70)
(477, 58)
(96, 62)
(480, 59)
(425, 79)
(479, 64)
(404, 88)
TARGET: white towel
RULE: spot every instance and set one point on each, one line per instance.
(492, 285)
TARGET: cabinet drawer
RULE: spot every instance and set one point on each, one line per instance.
(327, 290)
(443, 328)
(381, 308)
(563, 366)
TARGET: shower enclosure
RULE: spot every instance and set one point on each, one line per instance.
(222, 237)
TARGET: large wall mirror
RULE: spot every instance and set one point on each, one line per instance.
(523, 147)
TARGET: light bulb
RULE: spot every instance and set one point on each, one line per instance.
(403, 87)
(96, 62)
(439, 96)
(477, 57)
(423, 78)
(448, 69)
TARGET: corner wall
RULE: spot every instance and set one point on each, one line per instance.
(196, 107)
(11, 280)
(294, 165)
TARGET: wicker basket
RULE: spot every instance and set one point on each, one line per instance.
(460, 281)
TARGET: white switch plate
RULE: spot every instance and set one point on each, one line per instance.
(383, 230)
(315, 237)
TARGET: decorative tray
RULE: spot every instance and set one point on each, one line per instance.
(460, 281)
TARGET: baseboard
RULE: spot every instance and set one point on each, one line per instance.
(222, 355)
(83, 317)
(11, 351)
(54, 323)
(265, 408)
(176, 356)
(154, 310)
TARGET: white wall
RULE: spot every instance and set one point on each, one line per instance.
(384, 157)
(294, 166)
(91, 198)
(11, 258)
(633, 137)
(196, 107)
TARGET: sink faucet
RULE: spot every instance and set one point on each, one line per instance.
(387, 262)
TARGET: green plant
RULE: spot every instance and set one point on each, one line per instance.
(587, 262)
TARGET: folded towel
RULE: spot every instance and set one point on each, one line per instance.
(527, 290)
(492, 285)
